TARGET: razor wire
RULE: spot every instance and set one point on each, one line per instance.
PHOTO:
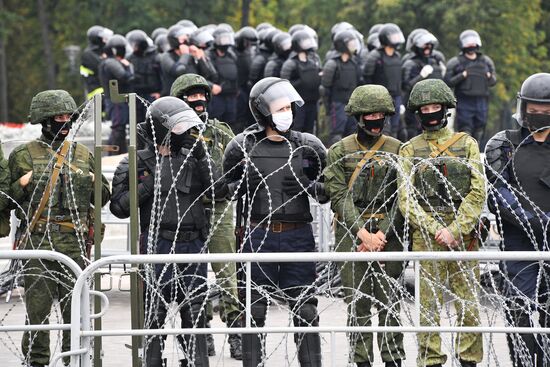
(492, 301)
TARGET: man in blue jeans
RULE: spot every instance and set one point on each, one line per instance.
(275, 170)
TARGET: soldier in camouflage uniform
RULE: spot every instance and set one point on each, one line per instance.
(4, 194)
(195, 90)
(63, 224)
(361, 180)
(442, 193)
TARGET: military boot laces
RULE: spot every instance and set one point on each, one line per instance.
(235, 346)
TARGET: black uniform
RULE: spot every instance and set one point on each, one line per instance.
(274, 65)
(223, 106)
(89, 69)
(147, 79)
(244, 62)
(258, 65)
(173, 65)
(304, 76)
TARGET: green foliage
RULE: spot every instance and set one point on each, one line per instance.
(513, 32)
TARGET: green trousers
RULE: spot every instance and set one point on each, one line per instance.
(463, 280)
(368, 284)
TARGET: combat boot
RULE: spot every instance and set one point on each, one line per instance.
(467, 363)
(396, 363)
(235, 346)
(363, 364)
(210, 342)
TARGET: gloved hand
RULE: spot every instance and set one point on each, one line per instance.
(147, 182)
(292, 187)
(188, 141)
(426, 71)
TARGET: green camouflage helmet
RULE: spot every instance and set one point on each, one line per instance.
(50, 103)
(188, 81)
(370, 98)
(431, 91)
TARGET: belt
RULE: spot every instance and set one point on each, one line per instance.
(62, 227)
(278, 227)
(373, 216)
(181, 236)
(439, 209)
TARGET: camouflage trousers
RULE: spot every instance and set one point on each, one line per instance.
(463, 280)
(368, 284)
(46, 281)
(223, 241)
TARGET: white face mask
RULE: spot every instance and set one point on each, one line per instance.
(282, 120)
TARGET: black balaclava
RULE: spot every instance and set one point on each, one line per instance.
(425, 119)
(364, 131)
(51, 129)
(537, 121)
(202, 115)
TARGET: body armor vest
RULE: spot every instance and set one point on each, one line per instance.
(377, 180)
(228, 73)
(310, 80)
(73, 189)
(441, 182)
(272, 158)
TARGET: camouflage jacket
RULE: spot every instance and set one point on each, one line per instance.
(463, 219)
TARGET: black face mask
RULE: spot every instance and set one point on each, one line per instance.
(176, 142)
(369, 125)
(52, 129)
(223, 48)
(202, 114)
(537, 121)
(470, 49)
(439, 116)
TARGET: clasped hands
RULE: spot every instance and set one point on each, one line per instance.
(371, 242)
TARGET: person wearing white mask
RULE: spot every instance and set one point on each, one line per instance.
(272, 171)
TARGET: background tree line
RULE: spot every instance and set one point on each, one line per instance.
(34, 34)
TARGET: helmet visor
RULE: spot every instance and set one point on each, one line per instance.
(183, 121)
(424, 39)
(225, 39)
(353, 46)
(470, 40)
(277, 96)
(396, 38)
(286, 44)
(308, 44)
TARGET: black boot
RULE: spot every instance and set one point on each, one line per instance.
(253, 350)
(235, 346)
(396, 363)
(309, 349)
(153, 354)
(363, 364)
(467, 363)
(210, 342)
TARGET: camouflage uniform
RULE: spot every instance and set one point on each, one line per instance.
(451, 194)
(4, 193)
(368, 203)
(217, 135)
(63, 225)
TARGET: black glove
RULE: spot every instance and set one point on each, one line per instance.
(147, 182)
(292, 187)
(198, 151)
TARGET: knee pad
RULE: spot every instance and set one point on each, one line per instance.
(306, 315)
(258, 312)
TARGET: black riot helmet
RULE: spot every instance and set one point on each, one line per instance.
(157, 32)
(373, 42)
(174, 34)
(469, 37)
(99, 35)
(303, 41)
(410, 38)
(347, 41)
(339, 27)
(267, 94)
(375, 28)
(390, 35)
(223, 39)
(295, 28)
(535, 89)
(423, 40)
(186, 23)
(138, 40)
(226, 26)
(267, 40)
(264, 25)
(202, 38)
(170, 115)
(282, 43)
(162, 43)
(245, 38)
(116, 46)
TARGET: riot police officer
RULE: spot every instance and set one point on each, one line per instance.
(195, 91)
(383, 67)
(91, 58)
(184, 58)
(361, 180)
(246, 40)
(441, 194)
(341, 74)
(56, 219)
(172, 219)
(223, 105)
(303, 69)
(115, 66)
(282, 44)
(471, 74)
(265, 50)
(423, 64)
(146, 62)
(519, 172)
(277, 192)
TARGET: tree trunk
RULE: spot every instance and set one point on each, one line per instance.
(44, 18)
(3, 73)
(245, 12)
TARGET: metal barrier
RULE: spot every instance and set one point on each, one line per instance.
(80, 306)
